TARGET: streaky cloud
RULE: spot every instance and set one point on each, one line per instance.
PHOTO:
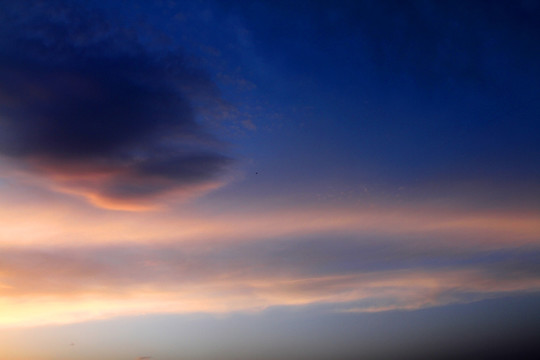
(348, 275)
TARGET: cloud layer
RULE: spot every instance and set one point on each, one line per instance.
(355, 276)
(86, 103)
(130, 264)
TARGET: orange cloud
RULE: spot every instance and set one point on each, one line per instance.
(368, 292)
(67, 223)
(63, 261)
(70, 284)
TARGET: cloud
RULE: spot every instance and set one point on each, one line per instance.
(86, 103)
(54, 221)
(62, 263)
(69, 284)
(144, 358)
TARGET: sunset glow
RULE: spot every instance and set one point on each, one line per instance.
(205, 180)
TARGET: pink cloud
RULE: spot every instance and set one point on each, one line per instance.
(62, 285)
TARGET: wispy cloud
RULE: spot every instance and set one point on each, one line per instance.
(66, 284)
(379, 291)
(61, 263)
(57, 222)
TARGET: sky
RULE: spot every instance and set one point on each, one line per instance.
(199, 180)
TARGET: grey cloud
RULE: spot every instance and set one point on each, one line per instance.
(76, 88)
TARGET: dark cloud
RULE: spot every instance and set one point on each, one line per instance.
(86, 99)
